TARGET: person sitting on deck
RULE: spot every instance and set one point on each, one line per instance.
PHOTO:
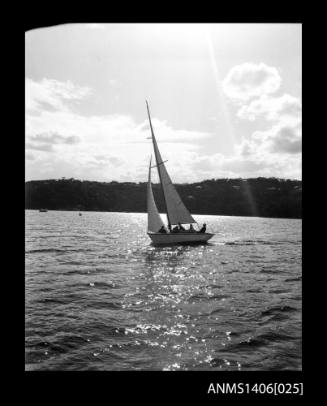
(181, 228)
(175, 230)
(191, 229)
(203, 229)
(162, 230)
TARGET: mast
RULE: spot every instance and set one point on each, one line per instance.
(175, 208)
(158, 163)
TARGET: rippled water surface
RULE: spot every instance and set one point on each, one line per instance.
(99, 296)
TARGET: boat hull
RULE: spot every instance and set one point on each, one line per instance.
(179, 238)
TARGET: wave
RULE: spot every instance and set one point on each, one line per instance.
(105, 305)
(218, 310)
(201, 297)
(244, 345)
(105, 285)
(52, 301)
(275, 336)
(240, 243)
(299, 278)
(56, 345)
(259, 340)
(279, 291)
(44, 250)
(262, 242)
(127, 298)
(277, 309)
(269, 270)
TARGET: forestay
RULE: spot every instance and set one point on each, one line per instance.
(154, 219)
(176, 210)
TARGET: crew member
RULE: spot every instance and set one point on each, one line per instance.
(162, 230)
(181, 228)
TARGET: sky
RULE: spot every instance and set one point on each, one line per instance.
(225, 101)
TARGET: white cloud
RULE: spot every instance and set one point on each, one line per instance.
(39, 147)
(29, 156)
(267, 165)
(249, 80)
(281, 139)
(45, 141)
(172, 135)
(284, 139)
(115, 147)
(54, 138)
(104, 160)
(98, 147)
(275, 151)
(259, 162)
(285, 107)
(53, 94)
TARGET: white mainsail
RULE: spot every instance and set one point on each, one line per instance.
(154, 220)
(176, 210)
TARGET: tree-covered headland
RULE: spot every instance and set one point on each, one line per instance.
(265, 197)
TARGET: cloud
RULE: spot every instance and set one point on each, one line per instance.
(249, 80)
(285, 139)
(116, 147)
(285, 107)
(39, 147)
(249, 166)
(29, 156)
(262, 158)
(172, 135)
(281, 138)
(259, 162)
(107, 159)
(55, 138)
(45, 141)
(107, 147)
(273, 152)
(99, 133)
(267, 165)
(52, 94)
(205, 163)
(276, 150)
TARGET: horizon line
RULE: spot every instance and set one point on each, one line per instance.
(176, 183)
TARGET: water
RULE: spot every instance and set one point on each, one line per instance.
(100, 297)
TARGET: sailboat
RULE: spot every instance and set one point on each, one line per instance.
(176, 211)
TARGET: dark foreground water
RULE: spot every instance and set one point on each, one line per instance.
(100, 297)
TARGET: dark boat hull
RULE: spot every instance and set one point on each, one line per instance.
(179, 238)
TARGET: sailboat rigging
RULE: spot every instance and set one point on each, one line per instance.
(176, 211)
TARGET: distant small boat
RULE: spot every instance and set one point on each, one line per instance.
(43, 210)
(176, 211)
(79, 214)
